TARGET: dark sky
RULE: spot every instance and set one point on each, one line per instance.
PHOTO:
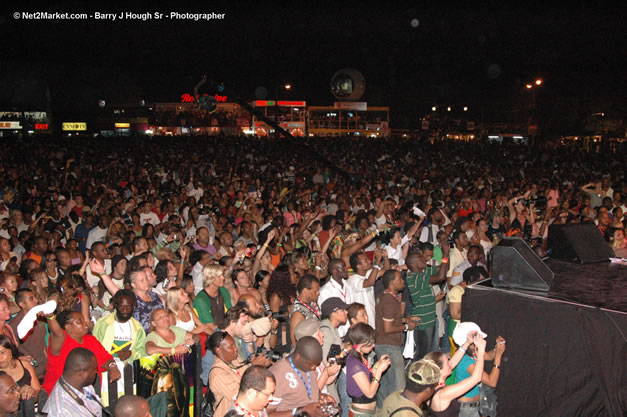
(456, 56)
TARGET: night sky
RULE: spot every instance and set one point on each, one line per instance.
(449, 56)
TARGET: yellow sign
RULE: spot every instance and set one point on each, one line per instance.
(122, 125)
(74, 126)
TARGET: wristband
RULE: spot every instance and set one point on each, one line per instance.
(375, 379)
(111, 365)
(172, 351)
(462, 349)
(318, 268)
(110, 243)
(444, 260)
(376, 266)
(497, 366)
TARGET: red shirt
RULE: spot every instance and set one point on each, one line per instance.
(54, 368)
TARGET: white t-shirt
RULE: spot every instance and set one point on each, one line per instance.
(96, 235)
(333, 289)
(397, 253)
(151, 218)
(93, 280)
(358, 294)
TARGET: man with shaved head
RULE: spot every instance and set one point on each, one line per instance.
(296, 389)
(131, 405)
(73, 395)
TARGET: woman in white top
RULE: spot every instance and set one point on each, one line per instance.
(181, 314)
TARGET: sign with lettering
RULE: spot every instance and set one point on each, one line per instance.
(10, 125)
(74, 126)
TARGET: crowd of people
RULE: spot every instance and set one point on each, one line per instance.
(319, 276)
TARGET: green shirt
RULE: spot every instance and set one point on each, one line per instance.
(395, 401)
(422, 297)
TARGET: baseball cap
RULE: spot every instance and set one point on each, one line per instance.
(460, 334)
(307, 327)
(333, 304)
(424, 372)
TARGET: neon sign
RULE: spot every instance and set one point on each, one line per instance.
(188, 98)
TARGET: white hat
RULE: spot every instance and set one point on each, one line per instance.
(460, 334)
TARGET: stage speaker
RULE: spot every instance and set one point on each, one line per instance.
(578, 242)
(513, 264)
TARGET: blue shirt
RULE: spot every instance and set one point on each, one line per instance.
(461, 373)
(60, 403)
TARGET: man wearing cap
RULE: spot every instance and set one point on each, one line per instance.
(420, 382)
(334, 315)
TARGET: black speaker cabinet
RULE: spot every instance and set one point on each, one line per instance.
(578, 242)
(515, 265)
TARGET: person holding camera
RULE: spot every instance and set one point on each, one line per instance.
(334, 316)
(363, 380)
(296, 390)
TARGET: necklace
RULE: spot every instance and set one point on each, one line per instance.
(241, 410)
(397, 296)
(307, 386)
(314, 310)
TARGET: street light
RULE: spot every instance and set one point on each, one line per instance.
(448, 108)
(538, 81)
(529, 86)
(465, 108)
(434, 108)
(289, 86)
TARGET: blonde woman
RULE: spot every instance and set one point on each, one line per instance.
(214, 300)
(181, 314)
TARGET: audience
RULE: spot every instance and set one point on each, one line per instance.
(115, 231)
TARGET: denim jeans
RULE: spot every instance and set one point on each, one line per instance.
(393, 378)
(345, 399)
(446, 345)
(424, 342)
(207, 363)
(468, 411)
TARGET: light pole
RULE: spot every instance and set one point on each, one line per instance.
(533, 86)
(286, 87)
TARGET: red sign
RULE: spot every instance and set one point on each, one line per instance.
(41, 126)
(188, 98)
(291, 103)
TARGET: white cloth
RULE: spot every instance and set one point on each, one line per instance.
(424, 234)
(333, 289)
(93, 280)
(358, 294)
(397, 253)
(151, 218)
(197, 278)
(97, 234)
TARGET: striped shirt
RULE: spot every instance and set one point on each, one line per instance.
(60, 404)
(422, 297)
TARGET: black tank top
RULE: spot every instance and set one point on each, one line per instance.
(451, 411)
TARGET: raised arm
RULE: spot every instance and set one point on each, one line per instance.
(451, 392)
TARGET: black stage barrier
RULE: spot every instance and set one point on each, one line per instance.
(562, 358)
